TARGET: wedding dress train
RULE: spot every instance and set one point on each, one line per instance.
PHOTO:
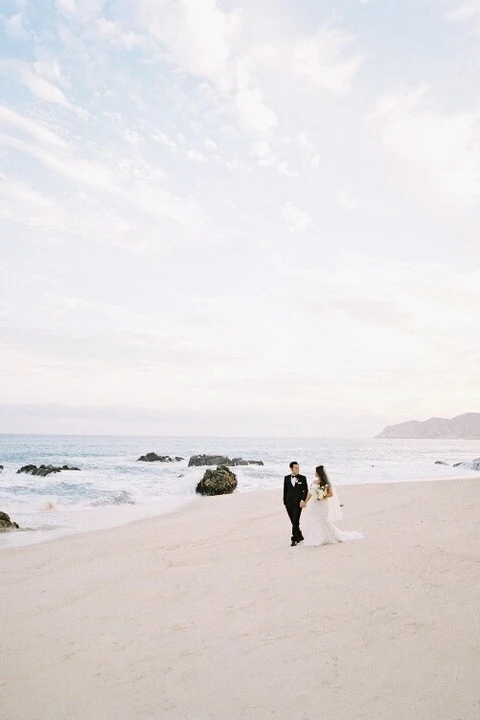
(320, 529)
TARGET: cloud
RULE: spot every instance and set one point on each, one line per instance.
(30, 75)
(61, 159)
(197, 156)
(30, 127)
(80, 10)
(113, 32)
(464, 12)
(326, 59)
(14, 26)
(442, 149)
(22, 203)
(194, 34)
(283, 169)
(296, 219)
(255, 115)
(375, 311)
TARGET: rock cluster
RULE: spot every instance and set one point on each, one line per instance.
(153, 457)
(205, 460)
(44, 470)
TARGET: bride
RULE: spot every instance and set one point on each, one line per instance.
(323, 508)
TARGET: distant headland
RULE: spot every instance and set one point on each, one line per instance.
(462, 427)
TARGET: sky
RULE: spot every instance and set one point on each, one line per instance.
(238, 217)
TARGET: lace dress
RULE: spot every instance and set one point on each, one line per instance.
(320, 530)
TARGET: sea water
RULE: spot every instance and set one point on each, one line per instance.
(113, 488)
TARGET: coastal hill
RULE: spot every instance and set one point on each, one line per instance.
(462, 427)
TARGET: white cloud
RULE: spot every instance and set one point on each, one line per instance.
(284, 169)
(326, 59)
(112, 31)
(30, 75)
(296, 219)
(41, 134)
(256, 117)
(82, 10)
(197, 156)
(14, 26)
(193, 33)
(443, 149)
(348, 201)
(162, 138)
(196, 36)
(24, 204)
(51, 71)
(465, 11)
(60, 159)
(310, 151)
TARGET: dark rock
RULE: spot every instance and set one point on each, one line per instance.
(473, 465)
(440, 462)
(153, 457)
(43, 470)
(221, 481)
(202, 460)
(458, 464)
(6, 523)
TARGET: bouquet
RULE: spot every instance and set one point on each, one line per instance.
(318, 492)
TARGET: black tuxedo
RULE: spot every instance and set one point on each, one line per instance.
(292, 497)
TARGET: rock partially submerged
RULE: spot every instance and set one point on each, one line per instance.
(153, 457)
(6, 523)
(205, 460)
(202, 460)
(440, 462)
(221, 481)
(472, 465)
(44, 470)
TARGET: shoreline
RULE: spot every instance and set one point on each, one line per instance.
(120, 516)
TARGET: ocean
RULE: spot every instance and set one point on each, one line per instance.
(113, 488)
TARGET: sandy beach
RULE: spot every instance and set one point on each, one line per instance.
(208, 614)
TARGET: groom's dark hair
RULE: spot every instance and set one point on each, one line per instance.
(294, 462)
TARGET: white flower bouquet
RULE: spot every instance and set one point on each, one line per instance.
(318, 492)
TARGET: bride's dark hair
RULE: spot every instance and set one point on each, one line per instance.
(324, 481)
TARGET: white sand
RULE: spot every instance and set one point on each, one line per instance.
(208, 614)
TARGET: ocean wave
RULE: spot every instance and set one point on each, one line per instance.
(121, 498)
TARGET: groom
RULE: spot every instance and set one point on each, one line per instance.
(295, 491)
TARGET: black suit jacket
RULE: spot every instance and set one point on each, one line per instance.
(293, 494)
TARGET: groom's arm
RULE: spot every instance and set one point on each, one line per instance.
(284, 491)
(304, 489)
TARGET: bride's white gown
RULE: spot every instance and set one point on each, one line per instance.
(320, 529)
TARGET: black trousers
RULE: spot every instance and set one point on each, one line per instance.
(294, 511)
